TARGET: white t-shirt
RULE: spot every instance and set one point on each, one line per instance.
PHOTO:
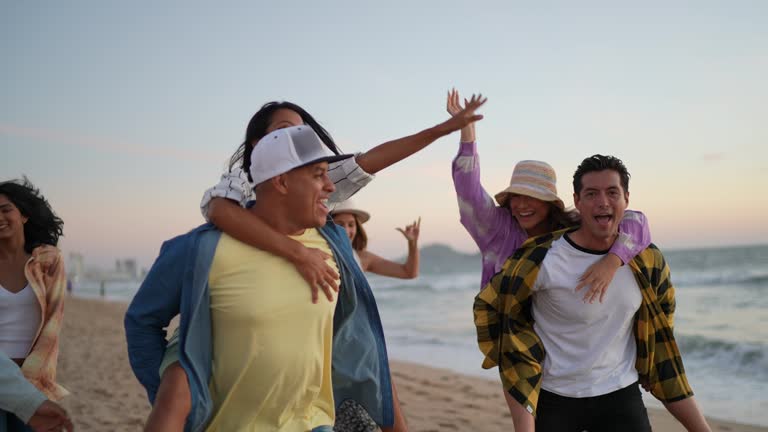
(590, 348)
(345, 174)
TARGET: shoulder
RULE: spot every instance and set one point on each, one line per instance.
(185, 242)
(651, 257)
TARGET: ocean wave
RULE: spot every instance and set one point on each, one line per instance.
(757, 278)
(748, 358)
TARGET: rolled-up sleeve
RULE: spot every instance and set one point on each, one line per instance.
(233, 185)
(348, 177)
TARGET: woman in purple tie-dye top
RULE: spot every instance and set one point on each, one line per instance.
(529, 207)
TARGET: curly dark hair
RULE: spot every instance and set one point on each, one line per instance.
(257, 129)
(43, 227)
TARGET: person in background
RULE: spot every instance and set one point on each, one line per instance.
(351, 218)
(32, 285)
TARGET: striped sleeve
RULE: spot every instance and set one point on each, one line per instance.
(233, 185)
(348, 177)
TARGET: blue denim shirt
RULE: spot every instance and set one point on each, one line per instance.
(177, 283)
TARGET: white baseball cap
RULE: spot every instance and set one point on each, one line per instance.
(286, 149)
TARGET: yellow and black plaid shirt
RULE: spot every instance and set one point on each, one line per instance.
(505, 325)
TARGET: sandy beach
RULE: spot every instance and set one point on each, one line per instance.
(93, 365)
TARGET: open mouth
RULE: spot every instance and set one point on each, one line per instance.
(604, 220)
(323, 204)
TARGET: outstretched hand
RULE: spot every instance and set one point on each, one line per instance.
(411, 232)
(461, 117)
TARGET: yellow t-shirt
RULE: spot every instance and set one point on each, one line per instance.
(271, 344)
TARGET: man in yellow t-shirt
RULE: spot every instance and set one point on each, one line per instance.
(271, 344)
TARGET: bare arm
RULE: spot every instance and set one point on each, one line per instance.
(687, 412)
(522, 419)
(391, 152)
(250, 229)
(384, 267)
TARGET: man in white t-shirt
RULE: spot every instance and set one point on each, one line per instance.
(576, 365)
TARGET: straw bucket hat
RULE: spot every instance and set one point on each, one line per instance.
(535, 179)
(349, 206)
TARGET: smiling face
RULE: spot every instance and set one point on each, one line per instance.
(348, 222)
(308, 189)
(11, 220)
(601, 202)
(531, 213)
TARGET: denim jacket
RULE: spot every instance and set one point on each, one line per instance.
(177, 283)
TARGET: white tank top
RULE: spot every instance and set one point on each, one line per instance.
(20, 317)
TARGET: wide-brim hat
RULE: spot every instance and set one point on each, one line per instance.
(349, 206)
(532, 178)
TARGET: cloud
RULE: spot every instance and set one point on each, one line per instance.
(105, 144)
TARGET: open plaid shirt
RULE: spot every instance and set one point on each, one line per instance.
(506, 337)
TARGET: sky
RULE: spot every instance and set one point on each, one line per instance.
(124, 113)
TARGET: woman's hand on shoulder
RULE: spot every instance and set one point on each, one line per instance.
(598, 277)
(312, 266)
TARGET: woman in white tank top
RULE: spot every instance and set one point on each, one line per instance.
(32, 286)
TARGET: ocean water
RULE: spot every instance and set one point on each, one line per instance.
(721, 324)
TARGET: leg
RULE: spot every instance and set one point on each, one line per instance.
(557, 413)
(621, 410)
(400, 425)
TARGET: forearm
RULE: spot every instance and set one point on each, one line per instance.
(17, 395)
(687, 412)
(412, 263)
(391, 152)
(245, 226)
(522, 419)
(173, 403)
(468, 134)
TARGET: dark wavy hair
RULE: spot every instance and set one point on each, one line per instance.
(360, 242)
(43, 227)
(257, 129)
(599, 162)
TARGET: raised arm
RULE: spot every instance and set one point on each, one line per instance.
(634, 237)
(391, 152)
(481, 217)
(408, 270)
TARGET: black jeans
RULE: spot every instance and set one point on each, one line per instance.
(622, 410)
